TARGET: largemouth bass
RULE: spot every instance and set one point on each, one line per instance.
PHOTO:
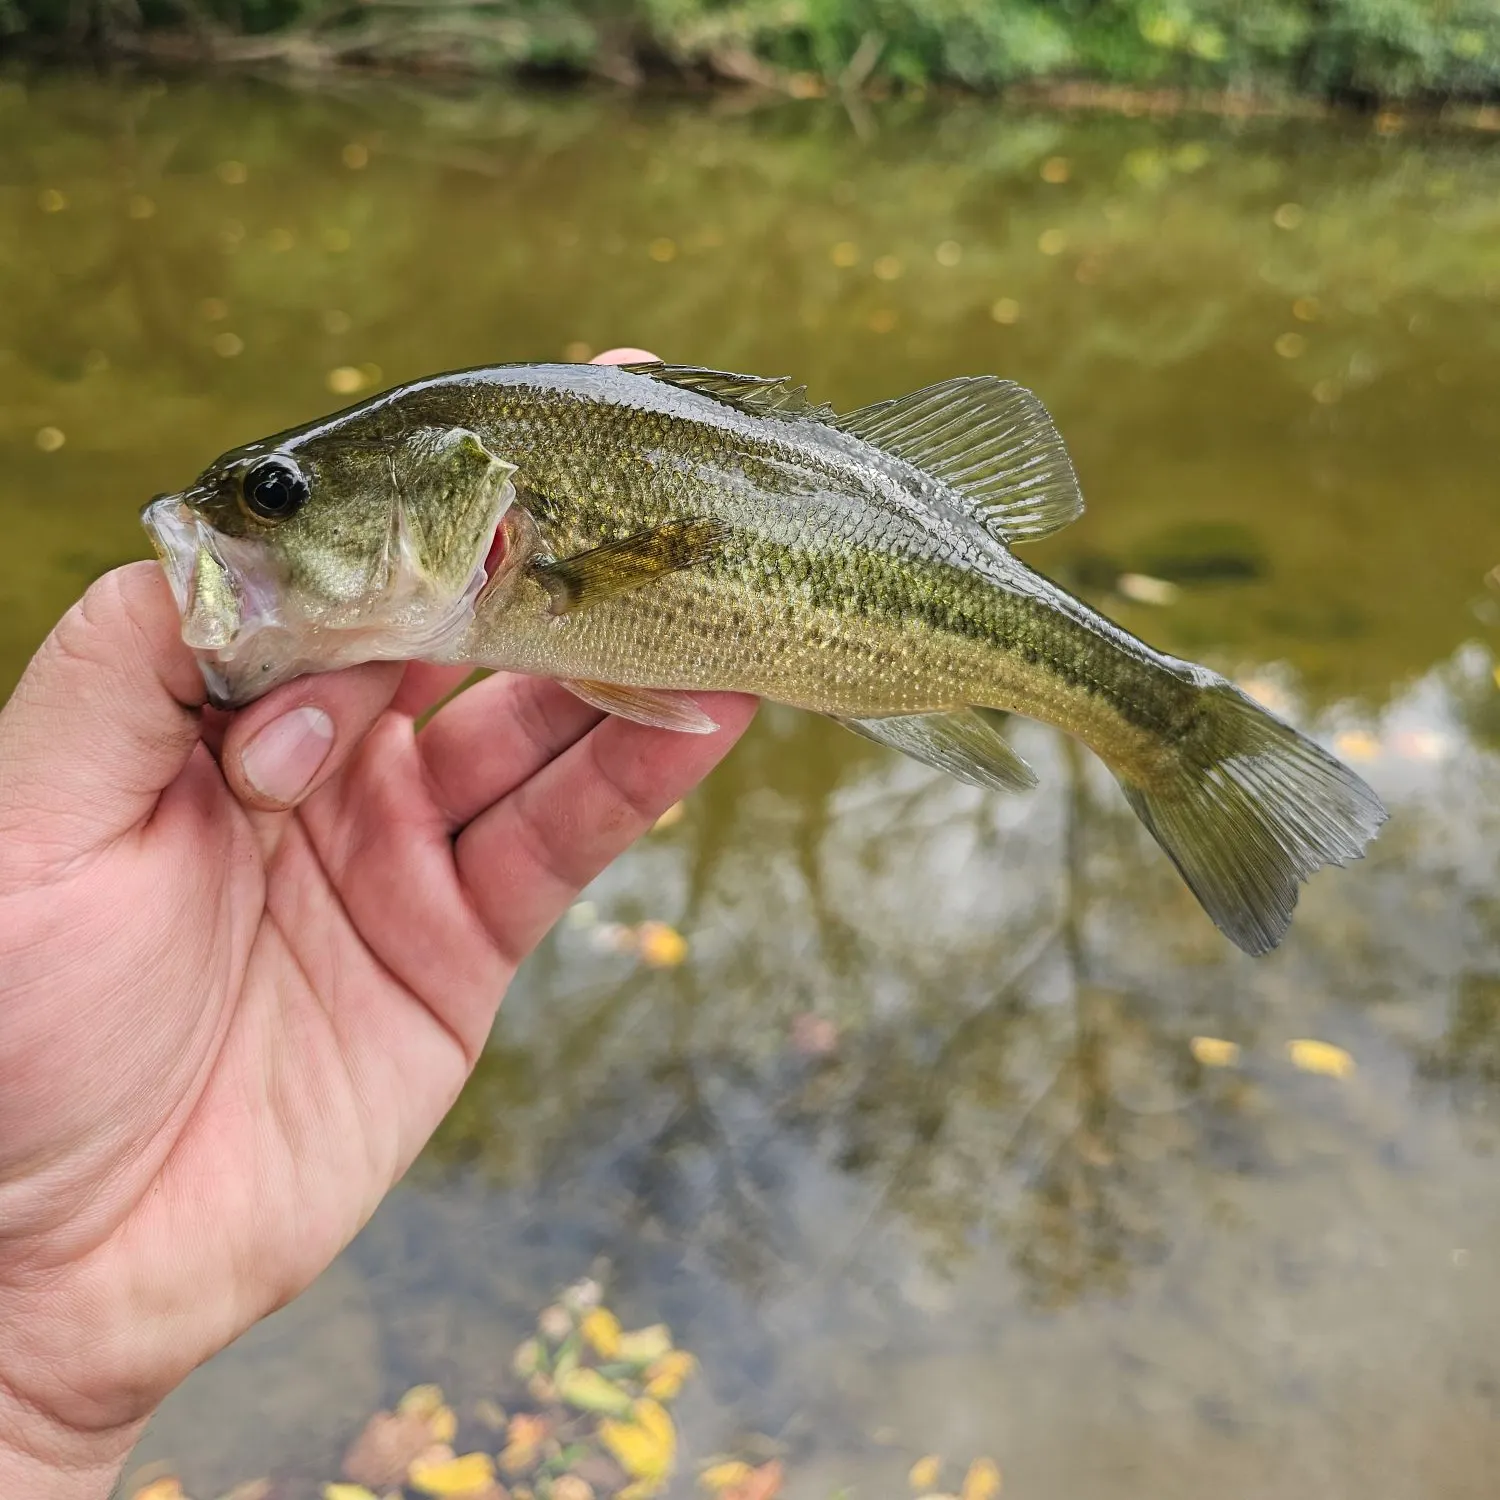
(641, 531)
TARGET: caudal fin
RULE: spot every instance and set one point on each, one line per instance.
(1252, 809)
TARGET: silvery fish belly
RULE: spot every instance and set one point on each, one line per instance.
(639, 532)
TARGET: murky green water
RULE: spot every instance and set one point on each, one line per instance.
(1009, 1212)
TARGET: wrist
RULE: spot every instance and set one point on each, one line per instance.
(43, 1457)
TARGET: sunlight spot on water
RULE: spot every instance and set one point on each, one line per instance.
(140, 207)
(50, 439)
(356, 156)
(228, 345)
(336, 321)
(51, 201)
(845, 254)
(231, 173)
(1291, 345)
(1055, 169)
(1306, 309)
(1005, 310)
(949, 253)
(882, 320)
(1326, 392)
(1052, 241)
(888, 267)
(1288, 216)
(280, 240)
(662, 250)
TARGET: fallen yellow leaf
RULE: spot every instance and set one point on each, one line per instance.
(925, 1473)
(1357, 744)
(763, 1483)
(672, 815)
(1496, 675)
(644, 1447)
(659, 945)
(982, 1482)
(588, 1390)
(1214, 1052)
(421, 1401)
(571, 1487)
(1320, 1057)
(443, 1425)
(725, 1476)
(647, 1344)
(602, 1330)
(168, 1488)
(347, 1492)
(665, 1378)
(454, 1477)
(524, 1439)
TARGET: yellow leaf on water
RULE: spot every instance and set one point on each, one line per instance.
(672, 815)
(660, 945)
(347, 1492)
(646, 1446)
(925, 1473)
(725, 1476)
(1320, 1057)
(524, 1439)
(588, 1390)
(421, 1401)
(168, 1488)
(665, 1378)
(1357, 744)
(982, 1482)
(1214, 1052)
(602, 1330)
(646, 1344)
(456, 1477)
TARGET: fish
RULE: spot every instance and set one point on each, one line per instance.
(640, 532)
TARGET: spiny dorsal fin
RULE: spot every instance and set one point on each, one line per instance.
(991, 440)
(757, 395)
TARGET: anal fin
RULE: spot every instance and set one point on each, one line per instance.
(963, 742)
(653, 706)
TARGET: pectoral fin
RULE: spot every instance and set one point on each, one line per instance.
(617, 567)
(964, 743)
(654, 706)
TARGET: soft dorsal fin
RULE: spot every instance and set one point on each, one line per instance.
(989, 439)
(757, 395)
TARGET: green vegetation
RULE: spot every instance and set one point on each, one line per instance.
(1364, 50)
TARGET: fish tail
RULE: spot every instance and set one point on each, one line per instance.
(1247, 808)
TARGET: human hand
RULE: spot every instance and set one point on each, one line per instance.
(238, 991)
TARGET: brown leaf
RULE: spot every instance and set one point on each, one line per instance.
(383, 1452)
(763, 1483)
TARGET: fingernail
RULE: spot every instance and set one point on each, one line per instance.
(283, 758)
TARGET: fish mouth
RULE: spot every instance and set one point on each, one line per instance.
(221, 598)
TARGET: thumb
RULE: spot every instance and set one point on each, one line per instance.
(104, 717)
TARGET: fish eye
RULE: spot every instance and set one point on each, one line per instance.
(274, 488)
